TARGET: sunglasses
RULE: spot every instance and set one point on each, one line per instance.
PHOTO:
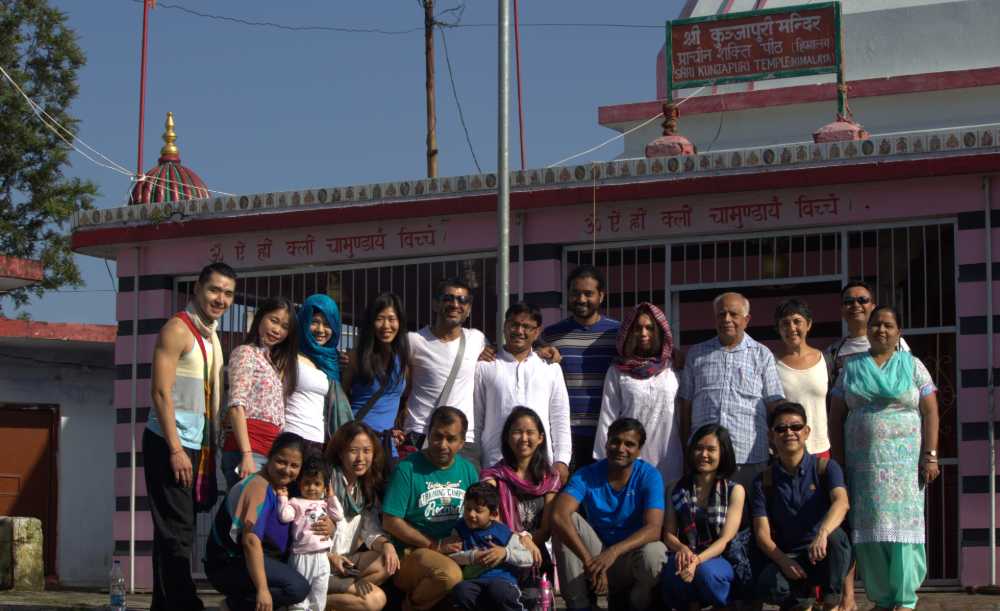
(459, 299)
(859, 300)
(784, 428)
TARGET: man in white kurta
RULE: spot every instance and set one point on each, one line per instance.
(519, 377)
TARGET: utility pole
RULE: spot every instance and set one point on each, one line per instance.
(432, 149)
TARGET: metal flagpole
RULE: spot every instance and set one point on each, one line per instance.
(146, 5)
(503, 174)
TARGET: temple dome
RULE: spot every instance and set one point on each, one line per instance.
(169, 181)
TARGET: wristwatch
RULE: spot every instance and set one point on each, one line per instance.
(931, 453)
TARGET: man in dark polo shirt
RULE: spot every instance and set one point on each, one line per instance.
(798, 506)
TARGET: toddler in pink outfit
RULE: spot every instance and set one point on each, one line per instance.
(309, 550)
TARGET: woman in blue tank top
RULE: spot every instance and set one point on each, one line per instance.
(378, 368)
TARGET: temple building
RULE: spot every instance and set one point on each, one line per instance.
(757, 205)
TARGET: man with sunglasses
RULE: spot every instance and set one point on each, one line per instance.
(798, 506)
(443, 359)
(856, 305)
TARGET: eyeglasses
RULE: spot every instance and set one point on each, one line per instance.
(859, 300)
(450, 297)
(784, 428)
(516, 326)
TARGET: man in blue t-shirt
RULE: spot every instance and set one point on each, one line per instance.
(798, 506)
(616, 549)
(586, 344)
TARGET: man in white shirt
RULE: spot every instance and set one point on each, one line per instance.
(519, 377)
(433, 354)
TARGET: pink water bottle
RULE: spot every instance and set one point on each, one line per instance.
(545, 604)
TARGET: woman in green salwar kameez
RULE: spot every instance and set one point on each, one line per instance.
(889, 438)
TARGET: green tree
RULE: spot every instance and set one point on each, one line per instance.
(40, 53)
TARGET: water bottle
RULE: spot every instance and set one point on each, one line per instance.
(116, 587)
(545, 604)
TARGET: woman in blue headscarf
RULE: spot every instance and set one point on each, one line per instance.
(318, 406)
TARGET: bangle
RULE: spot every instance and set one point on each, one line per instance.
(247, 452)
(177, 451)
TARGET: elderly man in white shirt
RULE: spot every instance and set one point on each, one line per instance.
(519, 377)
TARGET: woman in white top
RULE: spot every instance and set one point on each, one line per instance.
(802, 370)
(318, 367)
(362, 557)
(641, 384)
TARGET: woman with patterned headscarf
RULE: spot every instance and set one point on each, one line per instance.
(641, 384)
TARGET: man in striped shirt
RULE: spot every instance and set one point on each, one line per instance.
(586, 342)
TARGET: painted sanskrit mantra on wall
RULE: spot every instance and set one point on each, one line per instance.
(676, 218)
(735, 215)
(346, 245)
(416, 238)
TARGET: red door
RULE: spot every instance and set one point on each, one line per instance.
(28, 475)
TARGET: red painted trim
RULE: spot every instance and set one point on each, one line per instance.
(72, 332)
(22, 269)
(802, 94)
(759, 179)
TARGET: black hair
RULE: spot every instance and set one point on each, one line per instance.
(284, 355)
(314, 464)
(727, 456)
(446, 415)
(887, 308)
(374, 361)
(483, 495)
(787, 408)
(586, 271)
(371, 483)
(538, 466)
(452, 282)
(287, 440)
(856, 284)
(624, 425)
(218, 267)
(790, 307)
(524, 308)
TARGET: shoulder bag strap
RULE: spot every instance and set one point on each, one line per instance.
(370, 403)
(446, 390)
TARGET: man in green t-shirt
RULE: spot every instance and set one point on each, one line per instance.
(422, 504)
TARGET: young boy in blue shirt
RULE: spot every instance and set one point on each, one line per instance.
(490, 554)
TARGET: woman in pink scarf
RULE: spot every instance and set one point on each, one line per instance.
(526, 481)
(641, 384)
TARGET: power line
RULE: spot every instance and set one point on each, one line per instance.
(281, 26)
(384, 32)
(458, 103)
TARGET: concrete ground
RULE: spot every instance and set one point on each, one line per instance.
(66, 600)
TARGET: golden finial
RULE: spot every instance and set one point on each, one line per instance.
(169, 137)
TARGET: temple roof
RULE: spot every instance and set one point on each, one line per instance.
(169, 181)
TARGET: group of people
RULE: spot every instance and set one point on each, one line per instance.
(431, 468)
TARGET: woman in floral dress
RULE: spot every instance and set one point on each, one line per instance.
(890, 439)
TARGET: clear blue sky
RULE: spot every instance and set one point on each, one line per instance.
(262, 109)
